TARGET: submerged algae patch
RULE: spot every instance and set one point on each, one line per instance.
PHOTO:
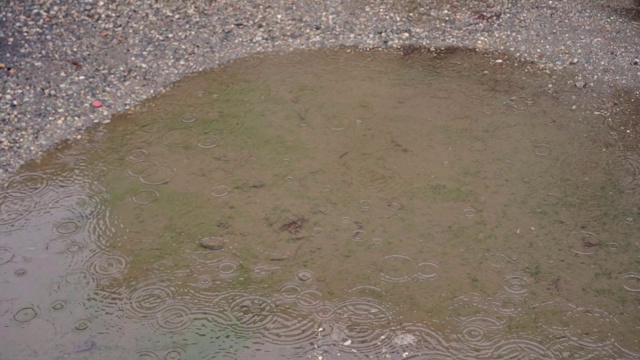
(293, 143)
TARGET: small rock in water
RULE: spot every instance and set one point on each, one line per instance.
(581, 84)
(212, 243)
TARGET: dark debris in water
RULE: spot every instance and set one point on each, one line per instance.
(294, 226)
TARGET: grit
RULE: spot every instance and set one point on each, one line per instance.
(59, 56)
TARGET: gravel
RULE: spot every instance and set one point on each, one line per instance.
(57, 57)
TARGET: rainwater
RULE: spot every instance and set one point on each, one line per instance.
(329, 204)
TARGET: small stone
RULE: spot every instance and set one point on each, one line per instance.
(634, 62)
(212, 243)
(581, 84)
(573, 61)
(96, 103)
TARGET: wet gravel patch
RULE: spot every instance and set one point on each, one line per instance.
(57, 58)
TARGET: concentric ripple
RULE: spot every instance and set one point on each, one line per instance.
(58, 305)
(516, 285)
(262, 271)
(309, 300)
(563, 346)
(6, 255)
(107, 265)
(15, 213)
(170, 353)
(175, 353)
(631, 282)
(25, 314)
(146, 354)
(304, 275)
(146, 300)
(362, 323)
(520, 349)
(339, 122)
(69, 226)
(80, 278)
(397, 268)
(208, 142)
(506, 304)
(227, 268)
(157, 175)
(137, 155)
(174, 318)
(83, 204)
(290, 327)
(82, 325)
(20, 272)
(220, 191)
(145, 196)
(401, 268)
(542, 149)
(188, 118)
(252, 313)
(26, 185)
(480, 332)
(138, 167)
(426, 270)
(289, 292)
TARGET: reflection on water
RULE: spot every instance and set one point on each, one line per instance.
(328, 204)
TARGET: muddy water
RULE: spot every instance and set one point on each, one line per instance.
(329, 204)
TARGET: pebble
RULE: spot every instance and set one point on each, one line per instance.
(128, 56)
(212, 243)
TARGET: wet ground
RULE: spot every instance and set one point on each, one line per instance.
(332, 204)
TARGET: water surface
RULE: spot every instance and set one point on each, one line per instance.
(330, 204)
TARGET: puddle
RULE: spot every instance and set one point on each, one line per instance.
(329, 204)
